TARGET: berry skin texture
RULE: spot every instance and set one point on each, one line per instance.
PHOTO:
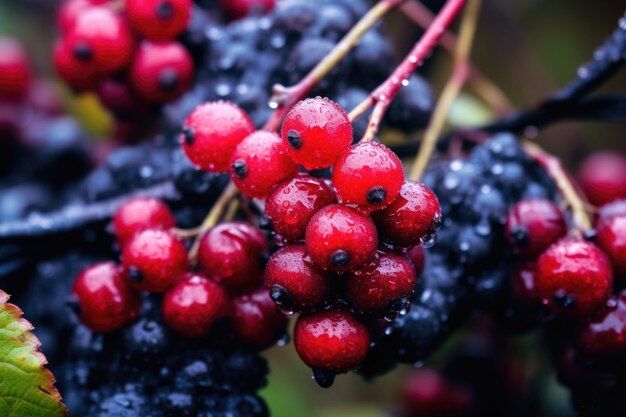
(331, 341)
(417, 256)
(382, 286)
(316, 131)
(368, 175)
(606, 332)
(154, 260)
(237, 9)
(339, 238)
(412, 217)
(212, 132)
(69, 12)
(158, 20)
(259, 163)
(256, 321)
(105, 300)
(139, 214)
(602, 176)
(194, 305)
(292, 203)
(232, 252)
(533, 225)
(161, 71)
(14, 70)
(611, 238)
(615, 208)
(77, 75)
(574, 278)
(296, 283)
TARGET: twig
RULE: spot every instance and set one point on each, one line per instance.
(450, 91)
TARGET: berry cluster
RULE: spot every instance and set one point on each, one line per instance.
(342, 261)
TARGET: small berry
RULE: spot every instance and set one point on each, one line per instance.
(524, 284)
(259, 163)
(368, 175)
(78, 76)
(158, 20)
(417, 256)
(383, 286)
(141, 213)
(232, 252)
(340, 238)
(105, 300)
(534, 224)
(574, 278)
(331, 341)
(412, 217)
(256, 321)
(316, 131)
(602, 176)
(154, 260)
(606, 332)
(193, 305)
(292, 203)
(69, 12)
(296, 283)
(161, 71)
(212, 132)
(428, 393)
(237, 9)
(14, 69)
(611, 238)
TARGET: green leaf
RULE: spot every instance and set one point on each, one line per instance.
(26, 386)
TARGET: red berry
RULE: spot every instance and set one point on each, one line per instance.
(118, 97)
(316, 131)
(340, 238)
(212, 132)
(606, 332)
(256, 321)
(154, 260)
(237, 9)
(368, 175)
(427, 393)
(574, 278)
(14, 69)
(611, 239)
(79, 76)
(296, 283)
(533, 225)
(383, 286)
(158, 20)
(69, 13)
(602, 176)
(292, 203)
(141, 213)
(524, 284)
(331, 341)
(100, 41)
(259, 163)
(105, 300)
(615, 208)
(161, 71)
(232, 252)
(412, 217)
(194, 305)
(417, 256)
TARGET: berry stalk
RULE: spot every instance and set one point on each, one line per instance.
(284, 98)
(450, 91)
(382, 96)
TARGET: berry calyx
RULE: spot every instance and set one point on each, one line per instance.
(339, 238)
(292, 203)
(602, 176)
(411, 218)
(368, 175)
(606, 332)
(154, 260)
(232, 252)
(104, 300)
(259, 163)
(534, 224)
(255, 320)
(574, 278)
(158, 20)
(295, 282)
(193, 305)
(14, 70)
(78, 76)
(237, 9)
(382, 287)
(141, 213)
(212, 132)
(331, 341)
(161, 71)
(611, 238)
(316, 131)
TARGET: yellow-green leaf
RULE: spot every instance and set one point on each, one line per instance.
(26, 386)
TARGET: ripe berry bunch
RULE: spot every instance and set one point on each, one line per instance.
(342, 261)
